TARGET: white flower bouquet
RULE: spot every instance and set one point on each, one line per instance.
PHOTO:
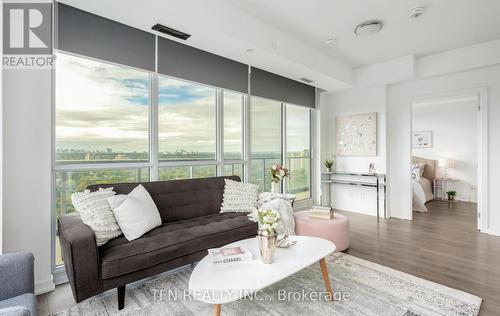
(268, 220)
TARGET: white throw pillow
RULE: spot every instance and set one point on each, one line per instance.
(136, 213)
(239, 197)
(95, 212)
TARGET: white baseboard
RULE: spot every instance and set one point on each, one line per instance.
(44, 286)
(491, 232)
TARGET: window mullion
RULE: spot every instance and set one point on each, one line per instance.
(284, 149)
(219, 151)
(246, 138)
(154, 133)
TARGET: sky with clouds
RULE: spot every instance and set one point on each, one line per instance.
(100, 105)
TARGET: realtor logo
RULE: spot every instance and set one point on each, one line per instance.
(27, 35)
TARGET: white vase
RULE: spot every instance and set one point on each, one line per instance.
(275, 187)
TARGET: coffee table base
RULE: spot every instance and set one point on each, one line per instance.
(326, 279)
(217, 308)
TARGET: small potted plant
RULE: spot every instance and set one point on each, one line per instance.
(451, 195)
(328, 164)
(278, 173)
(267, 237)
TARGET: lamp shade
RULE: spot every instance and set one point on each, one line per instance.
(446, 163)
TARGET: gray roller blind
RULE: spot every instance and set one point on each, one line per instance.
(84, 33)
(186, 62)
(272, 86)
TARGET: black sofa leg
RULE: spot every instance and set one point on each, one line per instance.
(121, 297)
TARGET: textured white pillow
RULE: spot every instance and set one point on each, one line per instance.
(239, 197)
(95, 212)
(136, 213)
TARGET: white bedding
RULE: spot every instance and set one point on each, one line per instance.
(421, 193)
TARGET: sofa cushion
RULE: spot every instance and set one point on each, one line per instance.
(24, 304)
(173, 240)
(179, 199)
(136, 212)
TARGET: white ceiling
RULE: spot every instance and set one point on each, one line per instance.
(445, 25)
(288, 35)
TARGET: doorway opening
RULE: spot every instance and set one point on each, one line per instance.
(449, 156)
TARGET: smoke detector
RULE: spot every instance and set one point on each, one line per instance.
(368, 28)
(416, 12)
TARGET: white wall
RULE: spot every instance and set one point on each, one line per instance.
(355, 101)
(27, 165)
(454, 129)
(400, 97)
(1, 132)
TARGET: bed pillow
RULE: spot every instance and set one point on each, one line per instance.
(96, 213)
(417, 170)
(239, 197)
(136, 212)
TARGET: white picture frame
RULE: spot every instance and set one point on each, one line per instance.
(422, 139)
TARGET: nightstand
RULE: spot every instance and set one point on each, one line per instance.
(439, 189)
(441, 186)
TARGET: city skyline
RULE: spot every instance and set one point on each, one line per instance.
(100, 105)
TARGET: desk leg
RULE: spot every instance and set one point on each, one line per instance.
(217, 308)
(326, 279)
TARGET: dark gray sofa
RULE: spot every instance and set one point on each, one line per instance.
(17, 285)
(192, 223)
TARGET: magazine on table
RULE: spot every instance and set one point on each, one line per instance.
(230, 255)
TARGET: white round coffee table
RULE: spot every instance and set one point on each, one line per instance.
(220, 284)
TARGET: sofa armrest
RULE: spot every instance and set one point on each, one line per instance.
(15, 311)
(16, 274)
(80, 256)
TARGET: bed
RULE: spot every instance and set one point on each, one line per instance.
(423, 175)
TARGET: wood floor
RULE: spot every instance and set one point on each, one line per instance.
(442, 246)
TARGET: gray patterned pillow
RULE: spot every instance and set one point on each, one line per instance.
(95, 212)
(239, 197)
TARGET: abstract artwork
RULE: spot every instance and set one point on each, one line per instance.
(356, 135)
(422, 139)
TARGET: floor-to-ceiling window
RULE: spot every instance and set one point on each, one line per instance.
(101, 127)
(233, 118)
(187, 129)
(265, 139)
(298, 155)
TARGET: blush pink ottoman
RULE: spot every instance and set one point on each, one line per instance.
(336, 229)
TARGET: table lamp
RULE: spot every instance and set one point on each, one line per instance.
(446, 164)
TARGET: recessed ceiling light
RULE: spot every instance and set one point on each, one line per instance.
(368, 28)
(416, 12)
(331, 41)
(250, 50)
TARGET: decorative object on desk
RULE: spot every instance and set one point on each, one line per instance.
(278, 173)
(451, 195)
(230, 255)
(422, 139)
(329, 165)
(356, 135)
(268, 222)
(284, 242)
(371, 169)
(446, 164)
(321, 212)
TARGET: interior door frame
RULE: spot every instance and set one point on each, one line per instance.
(482, 150)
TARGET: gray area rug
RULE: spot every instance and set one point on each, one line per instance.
(361, 288)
